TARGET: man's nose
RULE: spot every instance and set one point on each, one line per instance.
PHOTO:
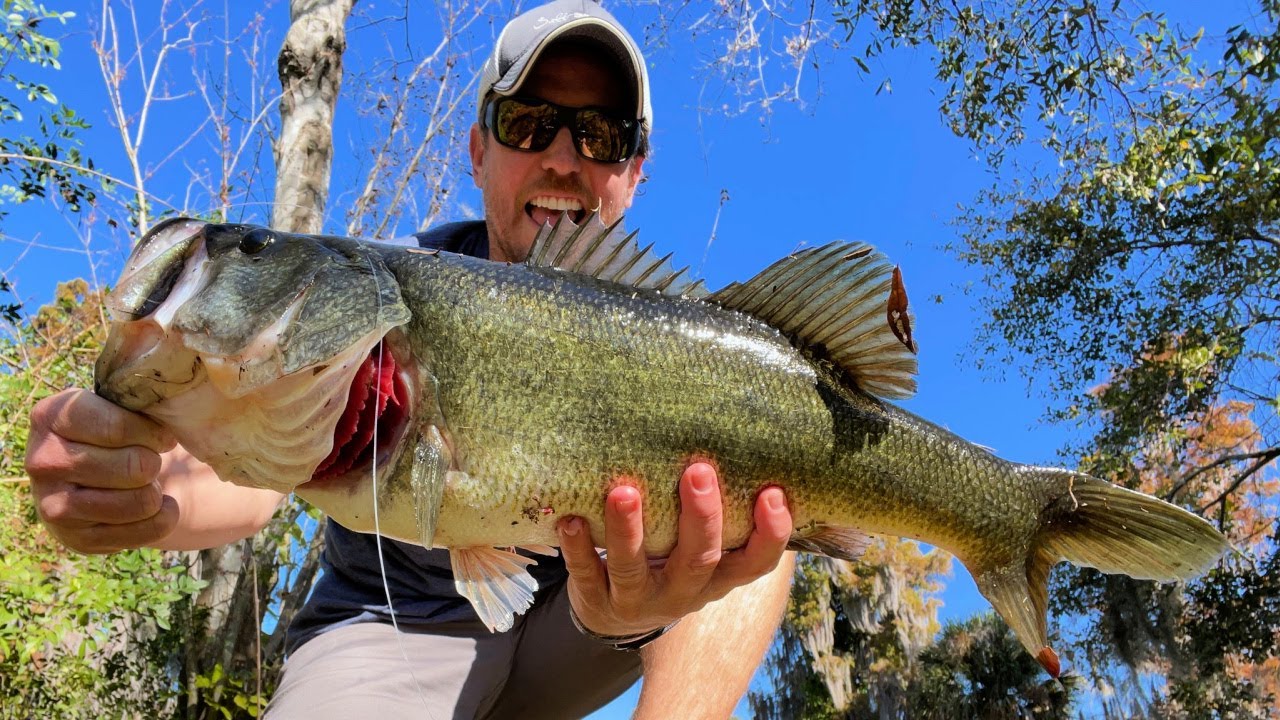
(560, 156)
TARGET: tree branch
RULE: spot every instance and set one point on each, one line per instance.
(1259, 236)
(70, 166)
(1264, 455)
(1264, 458)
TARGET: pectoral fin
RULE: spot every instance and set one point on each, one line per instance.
(496, 581)
(430, 468)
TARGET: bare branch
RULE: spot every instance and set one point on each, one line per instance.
(1269, 454)
(108, 50)
(1262, 458)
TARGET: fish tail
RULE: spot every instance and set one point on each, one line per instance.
(1095, 524)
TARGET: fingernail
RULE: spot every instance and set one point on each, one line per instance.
(702, 483)
(571, 527)
(628, 504)
(775, 502)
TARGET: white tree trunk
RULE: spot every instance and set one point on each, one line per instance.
(310, 67)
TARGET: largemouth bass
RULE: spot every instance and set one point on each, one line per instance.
(466, 404)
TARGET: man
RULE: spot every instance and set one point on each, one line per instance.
(563, 122)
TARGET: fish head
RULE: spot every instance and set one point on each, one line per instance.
(245, 342)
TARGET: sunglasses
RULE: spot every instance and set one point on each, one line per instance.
(530, 125)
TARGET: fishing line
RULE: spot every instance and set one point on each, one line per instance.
(377, 528)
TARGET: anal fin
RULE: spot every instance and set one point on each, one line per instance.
(838, 542)
(496, 581)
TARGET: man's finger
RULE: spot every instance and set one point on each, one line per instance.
(112, 507)
(586, 571)
(698, 547)
(103, 538)
(122, 468)
(765, 546)
(81, 416)
(627, 565)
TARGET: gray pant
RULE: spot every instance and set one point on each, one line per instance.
(542, 668)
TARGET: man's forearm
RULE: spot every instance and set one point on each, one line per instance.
(702, 668)
(210, 512)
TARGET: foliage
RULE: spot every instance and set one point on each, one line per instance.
(861, 641)
(1215, 643)
(978, 669)
(1152, 254)
(79, 635)
(32, 164)
(1130, 244)
(140, 632)
(852, 632)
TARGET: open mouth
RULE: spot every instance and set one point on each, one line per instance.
(376, 410)
(543, 210)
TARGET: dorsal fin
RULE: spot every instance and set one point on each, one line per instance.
(843, 300)
(608, 253)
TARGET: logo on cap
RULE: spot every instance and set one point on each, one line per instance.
(560, 19)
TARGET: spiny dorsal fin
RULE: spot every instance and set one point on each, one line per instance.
(843, 299)
(608, 253)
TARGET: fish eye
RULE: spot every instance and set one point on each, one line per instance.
(256, 240)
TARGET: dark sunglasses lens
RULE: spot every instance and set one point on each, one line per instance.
(532, 126)
(523, 126)
(601, 137)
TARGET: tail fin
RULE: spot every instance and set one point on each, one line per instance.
(1096, 524)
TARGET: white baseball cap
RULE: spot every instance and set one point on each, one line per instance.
(527, 35)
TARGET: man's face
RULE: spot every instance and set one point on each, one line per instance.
(523, 190)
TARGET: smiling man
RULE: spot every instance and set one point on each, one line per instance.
(563, 117)
(536, 153)
(562, 128)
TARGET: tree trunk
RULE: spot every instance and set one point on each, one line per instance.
(236, 598)
(310, 66)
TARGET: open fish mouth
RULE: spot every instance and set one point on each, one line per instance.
(373, 421)
(230, 336)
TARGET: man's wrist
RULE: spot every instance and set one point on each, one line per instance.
(630, 643)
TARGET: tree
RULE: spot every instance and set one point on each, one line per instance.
(852, 633)
(1130, 249)
(977, 669)
(79, 636)
(39, 152)
(1128, 239)
(189, 635)
(1152, 255)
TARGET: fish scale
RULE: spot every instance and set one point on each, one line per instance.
(542, 432)
(530, 390)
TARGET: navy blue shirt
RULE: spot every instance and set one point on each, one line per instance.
(350, 588)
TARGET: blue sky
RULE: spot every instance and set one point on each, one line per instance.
(849, 163)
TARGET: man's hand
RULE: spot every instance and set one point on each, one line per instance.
(93, 469)
(626, 597)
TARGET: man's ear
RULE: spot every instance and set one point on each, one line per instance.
(635, 173)
(476, 146)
